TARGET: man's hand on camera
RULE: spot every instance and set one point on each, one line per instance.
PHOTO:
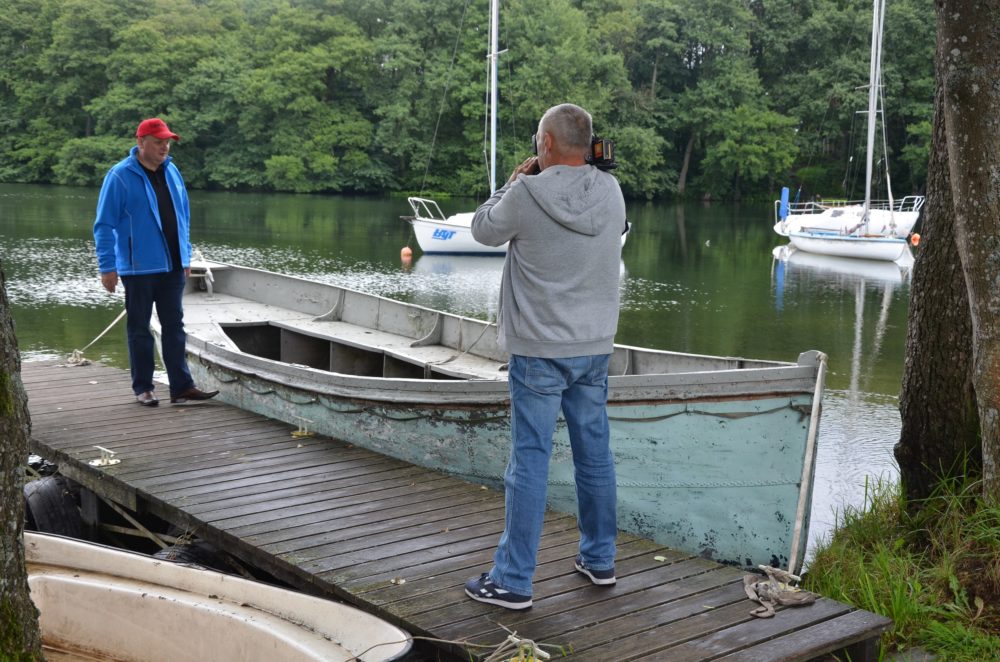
(528, 167)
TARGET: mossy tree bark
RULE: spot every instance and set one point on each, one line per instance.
(969, 32)
(19, 635)
(950, 401)
(940, 422)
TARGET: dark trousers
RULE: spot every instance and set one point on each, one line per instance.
(141, 294)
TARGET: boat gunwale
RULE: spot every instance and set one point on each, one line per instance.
(483, 391)
(801, 375)
(464, 319)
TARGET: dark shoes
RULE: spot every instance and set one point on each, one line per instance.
(482, 589)
(147, 399)
(193, 393)
(598, 577)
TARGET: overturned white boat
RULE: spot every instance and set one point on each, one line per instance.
(714, 455)
(100, 603)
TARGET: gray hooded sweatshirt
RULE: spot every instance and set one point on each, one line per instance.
(559, 292)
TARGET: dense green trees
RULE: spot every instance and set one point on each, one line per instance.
(703, 97)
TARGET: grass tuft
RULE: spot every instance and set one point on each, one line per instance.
(936, 572)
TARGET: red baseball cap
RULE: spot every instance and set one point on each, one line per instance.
(155, 127)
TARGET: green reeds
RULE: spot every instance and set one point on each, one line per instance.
(935, 571)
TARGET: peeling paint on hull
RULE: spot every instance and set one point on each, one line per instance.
(717, 461)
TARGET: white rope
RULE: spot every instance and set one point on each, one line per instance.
(524, 650)
(76, 358)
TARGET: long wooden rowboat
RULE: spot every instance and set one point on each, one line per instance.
(100, 603)
(714, 455)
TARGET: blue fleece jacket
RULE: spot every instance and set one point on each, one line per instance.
(128, 230)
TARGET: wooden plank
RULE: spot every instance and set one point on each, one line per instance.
(568, 609)
(281, 454)
(721, 631)
(331, 485)
(303, 499)
(358, 510)
(191, 494)
(442, 575)
(461, 557)
(857, 629)
(553, 579)
(351, 542)
(127, 438)
(146, 462)
(142, 428)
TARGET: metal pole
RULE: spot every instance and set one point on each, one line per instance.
(492, 56)
(875, 69)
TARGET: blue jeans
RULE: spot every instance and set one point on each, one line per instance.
(538, 389)
(165, 291)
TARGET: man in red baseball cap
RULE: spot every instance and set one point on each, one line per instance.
(142, 233)
(157, 128)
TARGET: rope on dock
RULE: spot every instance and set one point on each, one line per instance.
(77, 358)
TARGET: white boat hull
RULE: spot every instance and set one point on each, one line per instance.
(863, 247)
(438, 235)
(451, 236)
(96, 602)
(846, 219)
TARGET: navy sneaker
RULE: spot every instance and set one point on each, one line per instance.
(599, 577)
(482, 589)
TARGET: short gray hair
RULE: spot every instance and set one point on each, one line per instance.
(571, 125)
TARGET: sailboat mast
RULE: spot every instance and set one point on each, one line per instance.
(492, 58)
(874, 81)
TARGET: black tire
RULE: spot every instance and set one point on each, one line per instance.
(50, 507)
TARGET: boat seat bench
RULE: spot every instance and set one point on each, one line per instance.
(431, 361)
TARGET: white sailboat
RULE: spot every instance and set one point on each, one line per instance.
(437, 233)
(868, 229)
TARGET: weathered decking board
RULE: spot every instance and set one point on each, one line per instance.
(349, 524)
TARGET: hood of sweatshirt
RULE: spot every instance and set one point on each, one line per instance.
(576, 197)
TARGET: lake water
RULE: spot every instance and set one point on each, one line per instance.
(695, 278)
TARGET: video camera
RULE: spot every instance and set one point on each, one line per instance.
(602, 152)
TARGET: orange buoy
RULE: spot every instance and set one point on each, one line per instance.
(406, 253)
(914, 239)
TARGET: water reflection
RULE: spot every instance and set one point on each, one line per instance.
(855, 446)
(465, 284)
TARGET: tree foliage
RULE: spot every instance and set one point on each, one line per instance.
(703, 97)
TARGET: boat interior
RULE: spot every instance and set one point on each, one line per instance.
(325, 327)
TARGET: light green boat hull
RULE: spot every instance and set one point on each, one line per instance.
(716, 462)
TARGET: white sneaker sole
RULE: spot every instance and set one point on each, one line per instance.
(595, 580)
(498, 602)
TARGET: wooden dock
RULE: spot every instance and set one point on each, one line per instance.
(399, 541)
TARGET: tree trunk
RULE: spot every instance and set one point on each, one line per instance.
(19, 635)
(682, 178)
(969, 33)
(652, 83)
(940, 431)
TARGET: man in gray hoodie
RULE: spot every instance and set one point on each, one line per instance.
(558, 315)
